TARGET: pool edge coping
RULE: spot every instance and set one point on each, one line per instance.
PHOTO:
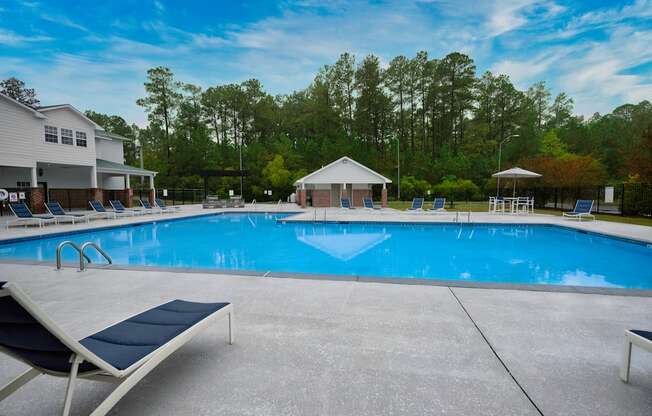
(587, 290)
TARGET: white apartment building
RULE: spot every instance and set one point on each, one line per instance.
(57, 153)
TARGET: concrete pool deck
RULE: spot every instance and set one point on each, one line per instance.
(309, 347)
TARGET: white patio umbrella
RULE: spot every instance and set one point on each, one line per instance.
(516, 173)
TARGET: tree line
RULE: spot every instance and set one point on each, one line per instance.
(444, 119)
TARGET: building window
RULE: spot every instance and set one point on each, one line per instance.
(81, 138)
(51, 135)
(21, 184)
(66, 136)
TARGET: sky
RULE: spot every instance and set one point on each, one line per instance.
(94, 55)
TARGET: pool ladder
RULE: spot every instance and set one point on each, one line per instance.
(83, 258)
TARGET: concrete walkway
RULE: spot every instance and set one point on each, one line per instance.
(308, 347)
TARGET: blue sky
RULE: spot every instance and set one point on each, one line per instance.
(95, 55)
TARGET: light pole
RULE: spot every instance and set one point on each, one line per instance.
(500, 149)
(398, 169)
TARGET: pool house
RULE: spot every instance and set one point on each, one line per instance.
(57, 153)
(340, 179)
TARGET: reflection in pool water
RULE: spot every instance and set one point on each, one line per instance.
(483, 253)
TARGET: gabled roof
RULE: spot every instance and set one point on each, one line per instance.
(45, 109)
(23, 106)
(343, 170)
(106, 166)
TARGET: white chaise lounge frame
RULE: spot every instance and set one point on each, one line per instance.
(580, 215)
(128, 377)
(632, 339)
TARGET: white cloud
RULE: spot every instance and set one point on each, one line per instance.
(9, 38)
(63, 20)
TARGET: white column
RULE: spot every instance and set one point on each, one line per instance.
(93, 177)
(127, 184)
(33, 178)
(151, 181)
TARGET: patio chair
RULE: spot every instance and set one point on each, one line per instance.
(57, 211)
(417, 204)
(582, 210)
(369, 203)
(642, 339)
(119, 208)
(24, 216)
(126, 351)
(521, 205)
(159, 203)
(99, 208)
(345, 203)
(495, 202)
(438, 205)
(148, 207)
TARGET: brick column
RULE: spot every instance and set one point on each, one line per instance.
(383, 198)
(96, 194)
(128, 198)
(301, 193)
(152, 196)
(37, 200)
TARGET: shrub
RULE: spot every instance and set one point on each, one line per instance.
(456, 189)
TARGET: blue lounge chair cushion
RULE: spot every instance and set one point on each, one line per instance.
(582, 206)
(644, 334)
(160, 203)
(97, 206)
(127, 342)
(146, 204)
(121, 345)
(21, 210)
(25, 337)
(117, 205)
(55, 209)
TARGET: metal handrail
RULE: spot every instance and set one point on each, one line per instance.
(76, 247)
(82, 265)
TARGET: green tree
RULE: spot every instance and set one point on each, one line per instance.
(161, 103)
(15, 88)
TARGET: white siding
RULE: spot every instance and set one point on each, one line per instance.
(106, 181)
(111, 150)
(62, 153)
(9, 176)
(68, 177)
(19, 128)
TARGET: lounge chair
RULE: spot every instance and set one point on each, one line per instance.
(642, 339)
(119, 208)
(57, 211)
(345, 203)
(126, 351)
(369, 203)
(417, 204)
(582, 210)
(147, 207)
(159, 203)
(99, 208)
(24, 216)
(438, 205)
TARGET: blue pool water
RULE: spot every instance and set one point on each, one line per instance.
(257, 242)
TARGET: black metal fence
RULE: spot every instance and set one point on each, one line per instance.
(173, 196)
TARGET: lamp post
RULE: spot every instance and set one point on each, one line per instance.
(500, 149)
(398, 169)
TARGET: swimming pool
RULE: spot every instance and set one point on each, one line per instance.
(519, 254)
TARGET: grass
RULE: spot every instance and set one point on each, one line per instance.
(475, 206)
